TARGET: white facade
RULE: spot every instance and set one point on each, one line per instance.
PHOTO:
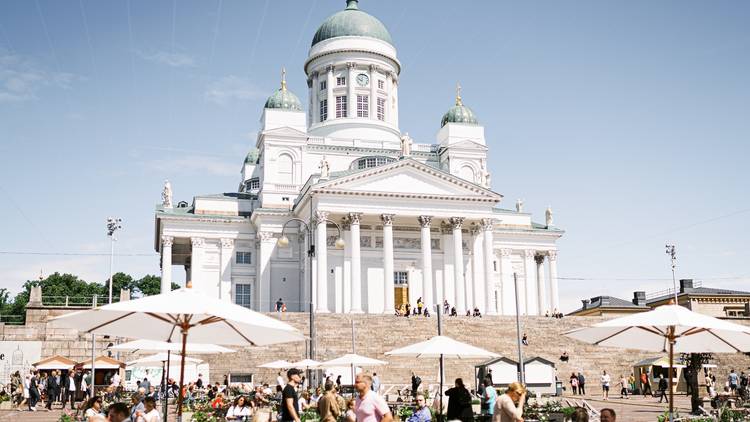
(420, 215)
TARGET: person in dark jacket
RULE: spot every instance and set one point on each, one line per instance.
(53, 389)
(459, 403)
(581, 384)
(34, 395)
(662, 388)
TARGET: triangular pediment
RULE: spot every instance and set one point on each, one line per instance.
(406, 178)
(468, 144)
(284, 131)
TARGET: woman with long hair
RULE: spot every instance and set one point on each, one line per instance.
(509, 406)
(459, 402)
(92, 409)
(239, 410)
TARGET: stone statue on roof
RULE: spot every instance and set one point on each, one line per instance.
(325, 168)
(166, 195)
(406, 142)
(548, 216)
(519, 205)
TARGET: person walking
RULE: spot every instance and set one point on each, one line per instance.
(328, 407)
(53, 389)
(289, 398)
(369, 405)
(489, 397)
(70, 390)
(34, 394)
(645, 384)
(375, 382)
(581, 384)
(574, 383)
(459, 403)
(605, 380)
(662, 388)
(509, 406)
(623, 387)
(733, 381)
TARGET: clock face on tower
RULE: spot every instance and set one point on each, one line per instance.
(362, 79)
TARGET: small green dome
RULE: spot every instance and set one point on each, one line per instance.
(459, 113)
(283, 98)
(352, 22)
(252, 156)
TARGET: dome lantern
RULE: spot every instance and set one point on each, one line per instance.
(283, 98)
(459, 113)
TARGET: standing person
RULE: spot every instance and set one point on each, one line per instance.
(289, 398)
(631, 382)
(509, 406)
(70, 390)
(116, 379)
(605, 380)
(574, 383)
(26, 388)
(420, 305)
(459, 402)
(199, 382)
(338, 382)
(446, 307)
(279, 305)
(226, 382)
(370, 406)
(623, 387)
(733, 380)
(415, 383)
(328, 407)
(645, 384)
(34, 395)
(375, 382)
(422, 412)
(53, 389)
(280, 380)
(489, 397)
(581, 384)
(662, 388)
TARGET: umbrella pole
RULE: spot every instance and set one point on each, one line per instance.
(166, 387)
(671, 372)
(182, 371)
(441, 363)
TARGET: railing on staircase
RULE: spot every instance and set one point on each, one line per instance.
(594, 415)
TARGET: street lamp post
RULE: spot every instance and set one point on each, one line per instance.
(671, 251)
(283, 242)
(113, 224)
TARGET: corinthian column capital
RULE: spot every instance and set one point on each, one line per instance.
(425, 220)
(321, 217)
(387, 219)
(457, 222)
(167, 241)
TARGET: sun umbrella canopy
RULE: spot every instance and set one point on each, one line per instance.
(163, 346)
(442, 345)
(306, 363)
(353, 359)
(694, 332)
(157, 360)
(277, 364)
(159, 317)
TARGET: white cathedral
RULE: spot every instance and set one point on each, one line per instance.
(340, 211)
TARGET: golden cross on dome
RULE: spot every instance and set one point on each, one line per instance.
(458, 95)
(283, 79)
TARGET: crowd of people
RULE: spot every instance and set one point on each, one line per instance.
(66, 387)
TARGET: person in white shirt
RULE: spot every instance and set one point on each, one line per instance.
(239, 410)
(71, 391)
(149, 414)
(116, 379)
(605, 385)
(280, 381)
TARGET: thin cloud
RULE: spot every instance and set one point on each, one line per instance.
(21, 79)
(232, 88)
(169, 58)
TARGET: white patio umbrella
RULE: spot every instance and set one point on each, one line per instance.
(163, 346)
(353, 360)
(442, 347)
(158, 359)
(179, 314)
(306, 363)
(277, 364)
(670, 328)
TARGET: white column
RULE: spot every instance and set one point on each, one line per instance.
(458, 265)
(321, 253)
(347, 270)
(448, 292)
(554, 294)
(356, 266)
(529, 279)
(388, 298)
(263, 280)
(350, 84)
(394, 101)
(166, 263)
(540, 288)
(315, 106)
(374, 93)
(225, 269)
(196, 263)
(489, 282)
(389, 96)
(329, 91)
(507, 292)
(476, 287)
(426, 242)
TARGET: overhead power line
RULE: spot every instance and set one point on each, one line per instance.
(74, 253)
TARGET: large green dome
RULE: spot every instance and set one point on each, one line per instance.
(459, 113)
(352, 22)
(284, 98)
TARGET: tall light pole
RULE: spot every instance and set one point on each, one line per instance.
(113, 224)
(673, 257)
(283, 242)
(522, 370)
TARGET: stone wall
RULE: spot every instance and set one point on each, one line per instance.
(376, 334)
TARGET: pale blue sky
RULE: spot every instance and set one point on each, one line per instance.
(629, 118)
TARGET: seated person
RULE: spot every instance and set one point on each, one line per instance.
(426, 313)
(564, 357)
(453, 311)
(422, 412)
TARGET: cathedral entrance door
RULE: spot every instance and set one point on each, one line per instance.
(401, 296)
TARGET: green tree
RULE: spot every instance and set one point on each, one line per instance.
(151, 285)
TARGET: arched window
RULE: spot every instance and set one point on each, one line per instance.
(467, 173)
(285, 165)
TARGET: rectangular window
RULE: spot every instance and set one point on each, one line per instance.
(323, 110)
(381, 84)
(252, 184)
(381, 109)
(323, 85)
(242, 294)
(400, 278)
(341, 81)
(363, 106)
(341, 106)
(243, 257)
(240, 378)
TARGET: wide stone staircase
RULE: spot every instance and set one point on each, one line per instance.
(376, 334)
